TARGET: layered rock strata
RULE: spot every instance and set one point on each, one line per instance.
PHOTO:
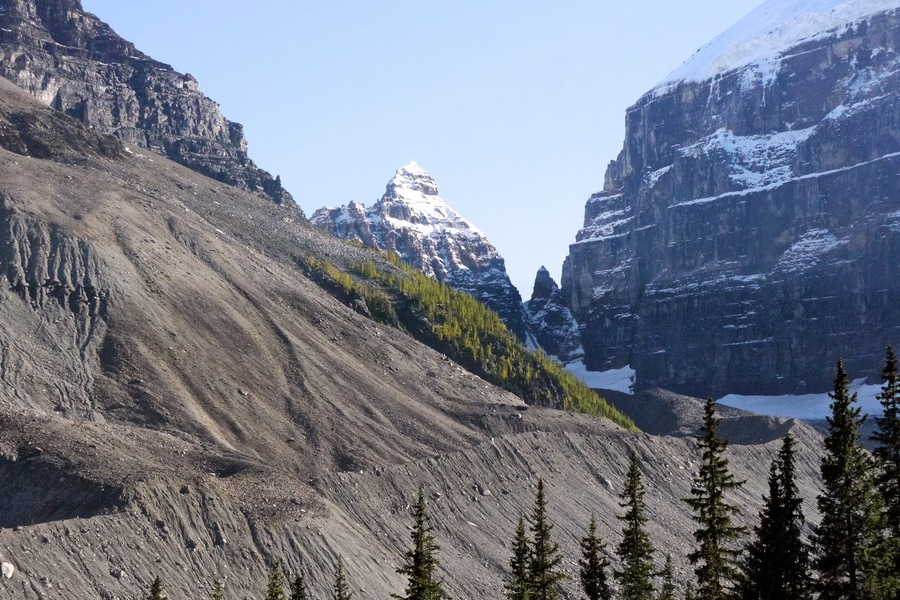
(748, 234)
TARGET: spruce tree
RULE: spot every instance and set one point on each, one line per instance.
(218, 593)
(635, 550)
(776, 564)
(667, 590)
(847, 536)
(275, 586)
(516, 587)
(340, 590)
(593, 565)
(156, 590)
(887, 457)
(689, 593)
(421, 560)
(298, 588)
(715, 558)
(543, 568)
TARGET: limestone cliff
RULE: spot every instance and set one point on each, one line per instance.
(74, 62)
(748, 234)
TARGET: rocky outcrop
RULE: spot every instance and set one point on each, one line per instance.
(74, 62)
(412, 220)
(748, 234)
(551, 321)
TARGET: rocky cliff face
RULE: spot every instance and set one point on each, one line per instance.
(77, 64)
(748, 234)
(412, 220)
(550, 320)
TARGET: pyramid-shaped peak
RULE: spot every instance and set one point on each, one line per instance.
(413, 177)
(544, 285)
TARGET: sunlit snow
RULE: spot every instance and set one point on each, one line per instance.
(805, 406)
(619, 380)
(760, 37)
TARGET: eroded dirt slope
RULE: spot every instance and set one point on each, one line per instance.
(176, 397)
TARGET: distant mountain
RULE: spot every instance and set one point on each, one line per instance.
(77, 64)
(748, 234)
(412, 220)
(550, 321)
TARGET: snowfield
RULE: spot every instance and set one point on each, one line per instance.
(805, 406)
(757, 40)
(618, 380)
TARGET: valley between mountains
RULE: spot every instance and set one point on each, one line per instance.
(196, 381)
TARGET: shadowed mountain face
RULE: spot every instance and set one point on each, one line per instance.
(74, 62)
(749, 232)
(177, 398)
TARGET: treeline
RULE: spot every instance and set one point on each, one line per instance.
(464, 329)
(854, 553)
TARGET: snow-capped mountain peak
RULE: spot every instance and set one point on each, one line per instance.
(773, 26)
(412, 220)
(411, 201)
(413, 178)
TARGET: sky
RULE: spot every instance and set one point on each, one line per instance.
(515, 108)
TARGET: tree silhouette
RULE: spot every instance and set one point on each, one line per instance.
(420, 561)
(516, 587)
(635, 550)
(887, 480)
(340, 590)
(715, 559)
(593, 565)
(850, 506)
(777, 560)
(543, 570)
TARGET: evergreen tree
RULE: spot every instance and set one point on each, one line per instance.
(156, 590)
(543, 568)
(887, 456)
(635, 550)
(689, 593)
(517, 585)
(218, 593)
(340, 590)
(593, 565)
(275, 587)
(850, 507)
(716, 557)
(421, 560)
(777, 560)
(667, 591)
(298, 588)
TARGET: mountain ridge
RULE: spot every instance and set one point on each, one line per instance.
(72, 61)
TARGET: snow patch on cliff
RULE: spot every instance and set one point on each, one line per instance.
(807, 252)
(618, 380)
(754, 160)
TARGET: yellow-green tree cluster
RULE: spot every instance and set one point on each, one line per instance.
(464, 329)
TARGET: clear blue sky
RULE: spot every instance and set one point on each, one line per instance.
(515, 108)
